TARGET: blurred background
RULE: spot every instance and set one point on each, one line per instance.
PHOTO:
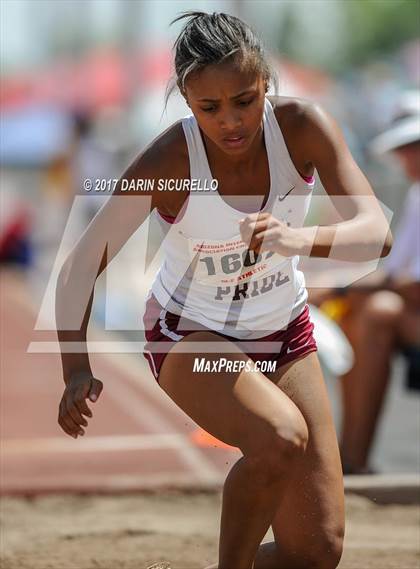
(83, 84)
(82, 93)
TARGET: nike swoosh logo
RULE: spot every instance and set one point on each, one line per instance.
(289, 351)
(281, 198)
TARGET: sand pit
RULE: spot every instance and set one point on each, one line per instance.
(135, 531)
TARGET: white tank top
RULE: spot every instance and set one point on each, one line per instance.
(208, 275)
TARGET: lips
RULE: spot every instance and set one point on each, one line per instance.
(234, 141)
(233, 137)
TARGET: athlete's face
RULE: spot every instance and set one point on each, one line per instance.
(228, 104)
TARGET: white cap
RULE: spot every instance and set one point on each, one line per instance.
(405, 126)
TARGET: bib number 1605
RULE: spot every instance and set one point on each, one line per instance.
(232, 263)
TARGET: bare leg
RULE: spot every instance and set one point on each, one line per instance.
(309, 523)
(267, 558)
(249, 506)
(246, 410)
(364, 387)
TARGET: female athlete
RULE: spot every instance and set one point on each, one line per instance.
(229, 291)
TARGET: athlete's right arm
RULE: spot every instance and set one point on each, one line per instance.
(106, 234)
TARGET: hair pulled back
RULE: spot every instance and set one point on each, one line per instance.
(209, 39)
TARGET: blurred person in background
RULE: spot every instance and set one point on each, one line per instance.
(51, 209)
(380, 314)
(90, 157)
(80, 156)
(15, 230)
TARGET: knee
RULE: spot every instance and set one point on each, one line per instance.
(383, 308)
(327, 552)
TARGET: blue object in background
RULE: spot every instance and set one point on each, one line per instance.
(33, 136)
(20, 253)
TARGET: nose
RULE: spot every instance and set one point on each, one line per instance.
(230, 121)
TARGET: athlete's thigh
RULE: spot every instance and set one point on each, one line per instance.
(314, 502)
(239, 408)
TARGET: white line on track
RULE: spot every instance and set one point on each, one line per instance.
(138, 374)
(143, 414)
(92, 444)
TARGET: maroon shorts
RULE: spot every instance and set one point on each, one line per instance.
(163, 330)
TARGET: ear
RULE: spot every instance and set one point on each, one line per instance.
(182, 91)
(185, 97)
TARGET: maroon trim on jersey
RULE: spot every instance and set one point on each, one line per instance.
(171, 218)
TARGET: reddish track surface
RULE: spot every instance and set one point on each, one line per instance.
(137, 439)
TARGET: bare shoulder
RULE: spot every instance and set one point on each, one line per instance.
(294, 116)
(301, 116)
(314, 138)
(289, 108)
(304, 125)
(169, 150)
(166, 157)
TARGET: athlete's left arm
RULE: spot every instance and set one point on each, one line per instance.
(363, 235)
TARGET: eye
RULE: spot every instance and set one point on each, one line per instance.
(245, 103)
(209, 109)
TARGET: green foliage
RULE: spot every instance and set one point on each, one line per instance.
(369, 29)
(379, 26)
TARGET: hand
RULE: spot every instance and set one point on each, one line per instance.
(82, 385)
(263, 232)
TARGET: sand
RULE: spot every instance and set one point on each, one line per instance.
(138, 530)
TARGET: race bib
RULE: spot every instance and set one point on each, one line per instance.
(228, 262)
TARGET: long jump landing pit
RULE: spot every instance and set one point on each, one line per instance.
(135, 531)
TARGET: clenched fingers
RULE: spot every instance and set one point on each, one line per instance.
(67, 423)
(74, 412)
(249, 229)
